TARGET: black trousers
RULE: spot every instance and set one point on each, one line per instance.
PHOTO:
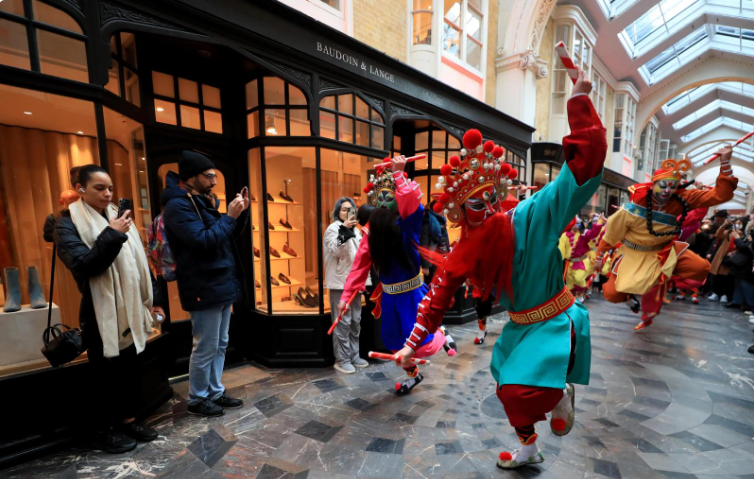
(724, 284)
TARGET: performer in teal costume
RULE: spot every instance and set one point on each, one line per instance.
(514, 256)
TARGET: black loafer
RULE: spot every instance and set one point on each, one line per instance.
(138, 432)
(113, 442)
(228, 402)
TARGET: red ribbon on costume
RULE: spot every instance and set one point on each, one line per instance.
(376, 298)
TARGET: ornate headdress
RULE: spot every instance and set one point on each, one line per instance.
(479, 166)
(671, 170)
(381, 180)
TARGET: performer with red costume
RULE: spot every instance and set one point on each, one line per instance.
(390, 244)
(580, 267)
(546, 342)
(648, 227)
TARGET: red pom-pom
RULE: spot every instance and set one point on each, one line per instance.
(397, 386)
(444, 198)
(512, 174)
(558, 424)
(505, 168)
(405, 175)
(472, 139)
(505, 456)
(445, 170)
(438, 207)
(454, 161)
(369, 187)
(498, 151)
(489, 145)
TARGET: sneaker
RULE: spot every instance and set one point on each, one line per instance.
(713, 297)
(513, 461)
(228, 402)
(137, 431)
(695, 300)
(751, 319)
(723, 299)
(206, 408)
(645, 323)
(680, 297)
(566, 407)
(345, 368)
(360, 362)
(113, 442)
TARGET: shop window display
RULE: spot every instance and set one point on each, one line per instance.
(42, 136)
(282, 111)
(176, 312)
(181, 102)
(59, 46)
(350, 119)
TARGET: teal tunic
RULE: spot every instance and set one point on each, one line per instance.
(538, 354)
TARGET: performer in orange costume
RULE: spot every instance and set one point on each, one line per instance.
(648, 227)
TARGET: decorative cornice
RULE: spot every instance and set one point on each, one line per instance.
(573, 14)
(328, 85)
(398, 110)
(303, 77)
(628, 87)
(377, 101)
(110, 12)
(525, 60)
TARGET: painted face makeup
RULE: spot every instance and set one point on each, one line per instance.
(386, 199)
(664, 189)
(481, 205)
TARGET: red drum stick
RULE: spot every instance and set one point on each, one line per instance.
(393, 357)
(716, 155)
(565, 57)
(340, 316)
(408, 160)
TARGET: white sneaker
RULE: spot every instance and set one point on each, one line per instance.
(751, 319)
(345, 368)
(724, 299)
(360, 363)
(713, 297)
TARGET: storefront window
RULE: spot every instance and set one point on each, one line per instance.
(541, 175)
(351, 121)
(123, 52)
(60, 43)
(42, 136)
(283, 111)
(289, 240)
(193, 109)
(613, 200)
(596, 203)
(422, 13)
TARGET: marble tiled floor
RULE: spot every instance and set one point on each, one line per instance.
(675, 401)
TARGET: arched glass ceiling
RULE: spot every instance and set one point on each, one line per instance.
(716, 123)
(691, 95)
(712, 106)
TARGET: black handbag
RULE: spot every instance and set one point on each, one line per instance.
(62, 344)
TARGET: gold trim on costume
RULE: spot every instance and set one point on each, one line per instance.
(398, 288)
(548, 310)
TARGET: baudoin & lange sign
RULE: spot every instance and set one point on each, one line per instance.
(353, 61)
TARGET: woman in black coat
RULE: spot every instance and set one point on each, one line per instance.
(101, 262)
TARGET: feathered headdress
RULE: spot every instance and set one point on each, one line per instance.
(381, 180)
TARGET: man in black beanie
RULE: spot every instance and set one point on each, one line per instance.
(207, 267)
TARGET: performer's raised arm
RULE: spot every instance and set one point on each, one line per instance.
(725, 185)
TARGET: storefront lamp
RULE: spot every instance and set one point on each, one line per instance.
(269, 125)
(26, 112)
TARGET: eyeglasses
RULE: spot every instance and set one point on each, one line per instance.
(210, 176)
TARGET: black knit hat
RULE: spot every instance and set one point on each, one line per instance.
(193, 163)
(722, 214)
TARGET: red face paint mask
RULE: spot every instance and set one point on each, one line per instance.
(481, 205)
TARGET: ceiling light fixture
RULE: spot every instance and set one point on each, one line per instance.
(269, 125)
(159, 108)
(80, 132)
(26, 112)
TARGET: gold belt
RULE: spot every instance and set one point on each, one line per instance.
(547, 310)
(644, 249)
(403, 287)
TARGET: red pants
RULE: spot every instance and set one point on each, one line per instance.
(690, 267)
(526, 405)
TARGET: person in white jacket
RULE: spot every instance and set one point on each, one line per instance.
(340, 245)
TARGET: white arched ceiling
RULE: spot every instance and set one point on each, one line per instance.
(521, 24)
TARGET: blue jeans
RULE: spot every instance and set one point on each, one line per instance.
(208, 356)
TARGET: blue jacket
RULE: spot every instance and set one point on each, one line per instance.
(207, 265)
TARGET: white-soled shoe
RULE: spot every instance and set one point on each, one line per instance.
(345, 368)
(360, 363)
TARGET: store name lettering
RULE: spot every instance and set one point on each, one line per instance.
(355, 62)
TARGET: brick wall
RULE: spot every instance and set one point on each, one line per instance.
(491, 80)
(382, 24)
(544, 85)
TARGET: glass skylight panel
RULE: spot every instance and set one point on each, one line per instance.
(702, 130)
(714, 105)
(676, 56)
(613, 8)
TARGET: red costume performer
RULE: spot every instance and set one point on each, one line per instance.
(537, 352)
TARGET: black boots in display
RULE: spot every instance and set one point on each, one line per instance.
(13, 291)
(36, 294)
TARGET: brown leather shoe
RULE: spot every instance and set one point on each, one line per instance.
(287, 249)
(284, 278)
(257, 253)
(274, 252)
(257, 284)
(274, 281)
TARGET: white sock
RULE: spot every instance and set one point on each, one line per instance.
(526, 452)
(480, 334)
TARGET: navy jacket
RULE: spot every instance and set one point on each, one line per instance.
(207, 265)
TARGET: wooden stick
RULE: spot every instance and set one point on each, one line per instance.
(340, 316)
(393, 357)
(717, 155)
(408, 160)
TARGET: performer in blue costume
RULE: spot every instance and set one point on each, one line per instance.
(391, 246)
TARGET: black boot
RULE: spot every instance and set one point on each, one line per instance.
(137, 431)
(113, 442)
(634, 304)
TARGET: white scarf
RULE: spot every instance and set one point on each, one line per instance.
(122, 295)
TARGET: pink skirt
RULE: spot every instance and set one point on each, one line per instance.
(431, 348)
